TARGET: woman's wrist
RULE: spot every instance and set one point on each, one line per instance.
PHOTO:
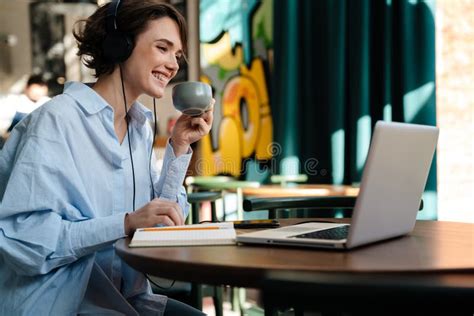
(178, 148)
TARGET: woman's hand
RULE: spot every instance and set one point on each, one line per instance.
(154, 213)
(188, 130)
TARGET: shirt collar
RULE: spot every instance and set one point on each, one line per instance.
(92, 103)
(140, 113)
(89, 100)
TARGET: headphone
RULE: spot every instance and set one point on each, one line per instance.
(117, 46)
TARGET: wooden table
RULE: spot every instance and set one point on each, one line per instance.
(433, 266)
(300, 190)
(435, 249)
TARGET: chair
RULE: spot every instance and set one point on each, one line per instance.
(275, 204)
(196, 198)
(205, 183)
(224, 185)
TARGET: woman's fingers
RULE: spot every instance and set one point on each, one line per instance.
(208, 116)
(164, 219)
(200, 125)
(170, 209)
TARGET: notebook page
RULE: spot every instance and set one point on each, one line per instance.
(187, 235)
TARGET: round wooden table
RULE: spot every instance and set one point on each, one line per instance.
(434, 249)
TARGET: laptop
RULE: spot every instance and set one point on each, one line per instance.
(392, 185)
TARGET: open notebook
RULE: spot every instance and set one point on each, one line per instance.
(186, 235)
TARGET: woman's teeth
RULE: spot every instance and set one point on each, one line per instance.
(160, 77)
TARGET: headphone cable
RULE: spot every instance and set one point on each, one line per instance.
(155, 129)
(127, 118)
(130, 151)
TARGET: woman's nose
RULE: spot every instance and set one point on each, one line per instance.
(172, 63)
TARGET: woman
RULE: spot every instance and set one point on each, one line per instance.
(73, 172)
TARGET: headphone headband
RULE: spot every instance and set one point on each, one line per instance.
(117, 46)
(111, 20)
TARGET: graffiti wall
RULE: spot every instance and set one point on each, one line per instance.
(236, 50)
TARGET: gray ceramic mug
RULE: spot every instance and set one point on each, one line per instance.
(192, 97)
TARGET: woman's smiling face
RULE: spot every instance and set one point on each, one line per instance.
(154, 60)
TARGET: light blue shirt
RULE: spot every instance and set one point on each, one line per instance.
(65, 185)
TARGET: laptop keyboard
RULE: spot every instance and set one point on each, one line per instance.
(336, 233)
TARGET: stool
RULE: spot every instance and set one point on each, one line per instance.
(196, 198)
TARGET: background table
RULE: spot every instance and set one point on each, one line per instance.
(332, 200)
(300, 190)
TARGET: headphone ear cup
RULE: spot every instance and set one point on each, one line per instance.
(117, 47)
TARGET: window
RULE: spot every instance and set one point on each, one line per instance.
(455, 109)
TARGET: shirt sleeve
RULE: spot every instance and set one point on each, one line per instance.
(45, 241)
(46, 220)
(170, 182)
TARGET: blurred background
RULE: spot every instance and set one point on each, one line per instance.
(299, 84)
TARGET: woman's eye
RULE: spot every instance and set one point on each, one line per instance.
(162, 48)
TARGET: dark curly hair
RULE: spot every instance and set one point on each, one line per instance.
(132, 18)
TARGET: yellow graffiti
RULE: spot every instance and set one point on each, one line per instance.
(242, 90)
(243, 122)
(246, 127)
(256, 72)
(220, 53)
(263, 150)
(266, 124)
(226, 160)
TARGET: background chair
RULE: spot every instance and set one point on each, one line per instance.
(276, 205)
(196, 199)
(225, 185)
(279, 206)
